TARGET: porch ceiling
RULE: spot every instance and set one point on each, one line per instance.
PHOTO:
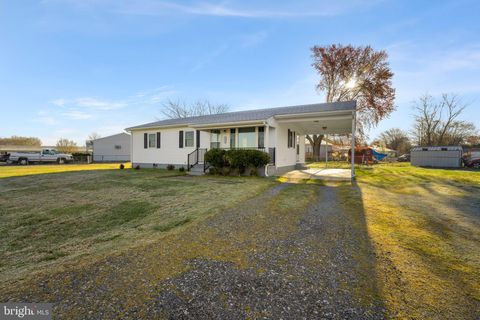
(318, 124)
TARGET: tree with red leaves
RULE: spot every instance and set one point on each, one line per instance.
(354, 73)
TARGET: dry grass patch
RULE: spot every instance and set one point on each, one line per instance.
(80, 216)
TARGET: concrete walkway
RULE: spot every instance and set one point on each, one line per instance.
(320, 174)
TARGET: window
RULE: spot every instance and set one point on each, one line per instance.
(151, 140)
(261, 137)
(118, 147)
(289, 139)
(189, 139)
(246, 137)
(232, 138)
(214, 139)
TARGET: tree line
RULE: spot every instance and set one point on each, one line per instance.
(436, 123)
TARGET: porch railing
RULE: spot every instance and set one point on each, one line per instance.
(197, 156)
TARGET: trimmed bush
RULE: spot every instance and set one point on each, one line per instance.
(216, 158)
(170, 167)
(236, 160)
(122, 166)
(137, 167)
(181, 169)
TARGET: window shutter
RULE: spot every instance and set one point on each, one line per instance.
(145, 141)
(158, 140)
(294, 139)
(180, 139)
(198, 138)
(288, 142)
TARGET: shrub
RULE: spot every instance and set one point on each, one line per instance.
(241, 159)
(170, 167)
(137, 167)
(216, 158)
(181, 169)
(236, 160)
(122, 166)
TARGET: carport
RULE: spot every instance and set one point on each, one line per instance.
(326, 123)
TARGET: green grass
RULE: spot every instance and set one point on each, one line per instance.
(171, 224)
(17, 171)
(51, 220)
(425, 227)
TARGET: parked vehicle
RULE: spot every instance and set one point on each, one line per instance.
(4, 156)
(471, 162)
(46, 155)
(404, 158)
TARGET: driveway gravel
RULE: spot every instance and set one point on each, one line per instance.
(307, 264)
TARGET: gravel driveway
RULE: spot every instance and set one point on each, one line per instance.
(310, 274)
(313, 264)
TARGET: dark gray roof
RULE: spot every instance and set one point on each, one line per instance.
(252, 115)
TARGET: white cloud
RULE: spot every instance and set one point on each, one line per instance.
(445, 69)
(92, 103)
(59, 102)
(209, 57)
(152, 96)
(98, 104)
(77, 115)
(46, 120)
(261, 9)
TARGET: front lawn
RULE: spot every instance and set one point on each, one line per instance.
(399, 237)
(17, 171)
(50, 220)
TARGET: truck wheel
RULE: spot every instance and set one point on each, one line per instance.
(61, 161)
(23, 161)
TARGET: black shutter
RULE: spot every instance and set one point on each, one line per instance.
(294, 140)
(198, 138)
(288, 140)
(180, 139)
(145, 141)
(158, 140)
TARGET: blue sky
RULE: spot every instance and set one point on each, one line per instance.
(72, 67)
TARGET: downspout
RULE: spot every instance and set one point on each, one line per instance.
(267, 147)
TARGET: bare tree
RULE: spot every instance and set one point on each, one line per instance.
(355, 73)
(66, 146)
(180, 109)
(94, 136)
(395, 139)
(437, 123)
(21, 141)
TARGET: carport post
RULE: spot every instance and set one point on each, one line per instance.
(326, 150)
(353, 144)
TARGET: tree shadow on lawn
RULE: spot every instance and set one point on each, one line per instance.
(426, 236)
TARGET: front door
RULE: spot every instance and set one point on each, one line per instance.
(224, 138)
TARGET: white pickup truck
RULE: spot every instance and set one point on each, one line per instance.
(46, 155)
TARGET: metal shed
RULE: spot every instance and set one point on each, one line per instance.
(112, 148)
(437, 157)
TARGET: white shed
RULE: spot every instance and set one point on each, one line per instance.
(437, 157)
(112, 148)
